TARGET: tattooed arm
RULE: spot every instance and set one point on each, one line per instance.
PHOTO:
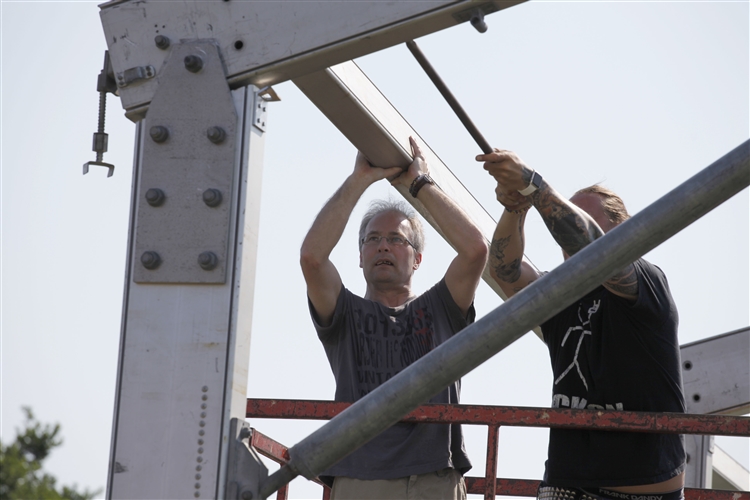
(507, 267)
(578, 222)
(573, 224)
(570, 226)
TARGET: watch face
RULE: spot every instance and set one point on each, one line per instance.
(536, 179)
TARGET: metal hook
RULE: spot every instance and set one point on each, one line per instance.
(105, 83)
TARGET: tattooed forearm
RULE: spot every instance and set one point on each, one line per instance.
(624, 283)
(508, 272)
(570, 229)
(521, 233)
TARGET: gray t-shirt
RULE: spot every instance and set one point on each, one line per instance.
(367, 343)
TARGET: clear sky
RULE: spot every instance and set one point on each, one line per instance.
(637, 95)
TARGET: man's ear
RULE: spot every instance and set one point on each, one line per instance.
(417, 261)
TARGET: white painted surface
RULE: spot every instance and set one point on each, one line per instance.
(278, 39)
(716, 374)
(731, 470)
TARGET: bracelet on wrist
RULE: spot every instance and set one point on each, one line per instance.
(419, 182)
(520, 210)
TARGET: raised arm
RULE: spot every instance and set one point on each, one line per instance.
(465, 271)
(572, 227)
(507, 266)
(322, 277)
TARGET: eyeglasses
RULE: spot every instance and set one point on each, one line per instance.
(374, 239)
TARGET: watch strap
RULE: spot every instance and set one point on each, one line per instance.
(534, 184)
(419, 182)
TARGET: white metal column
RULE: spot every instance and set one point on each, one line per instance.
(184, 350)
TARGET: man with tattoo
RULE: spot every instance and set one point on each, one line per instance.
(615, 348)
(369, 340)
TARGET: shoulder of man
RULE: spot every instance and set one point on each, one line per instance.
(440, 292)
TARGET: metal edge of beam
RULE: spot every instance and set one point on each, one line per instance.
(125, 302)
(739, 331)
(365, 43)
(539, 301)
(347, 97)
(741, 409)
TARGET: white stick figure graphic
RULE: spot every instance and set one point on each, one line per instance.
(584, 331)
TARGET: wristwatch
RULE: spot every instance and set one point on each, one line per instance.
(419, 182)
(536, 183)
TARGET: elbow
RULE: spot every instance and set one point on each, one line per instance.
(474, 254)
(309, 261)
(479, 251)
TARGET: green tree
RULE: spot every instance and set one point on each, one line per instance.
(21, 474)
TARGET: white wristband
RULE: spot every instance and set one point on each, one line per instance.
(536, 183)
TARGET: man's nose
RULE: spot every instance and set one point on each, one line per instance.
(383, 245)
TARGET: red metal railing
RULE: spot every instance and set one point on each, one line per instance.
(496, 416)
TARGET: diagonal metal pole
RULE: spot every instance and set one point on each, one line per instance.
(449, 97)
(538, 302)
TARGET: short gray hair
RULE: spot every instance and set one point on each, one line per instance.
(378, 207)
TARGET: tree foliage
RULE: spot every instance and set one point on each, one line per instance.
(21, 474)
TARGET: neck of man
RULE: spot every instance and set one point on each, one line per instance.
(389, 296)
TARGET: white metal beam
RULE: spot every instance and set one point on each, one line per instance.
(716, 374)
(263, 43)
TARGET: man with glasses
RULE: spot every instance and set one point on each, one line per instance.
(615, 348)
(369, 340)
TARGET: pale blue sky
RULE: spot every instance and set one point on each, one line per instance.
(640, 96)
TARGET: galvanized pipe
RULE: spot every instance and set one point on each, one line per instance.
(538, 302)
